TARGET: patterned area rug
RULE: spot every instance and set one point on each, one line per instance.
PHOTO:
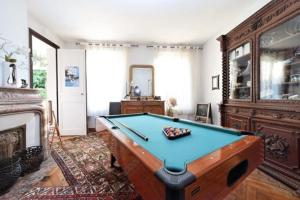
(85, 163)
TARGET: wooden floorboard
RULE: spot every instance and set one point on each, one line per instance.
(260, 186)
(257, 186)
(54, 178)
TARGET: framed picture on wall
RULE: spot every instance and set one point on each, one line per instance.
(203, 113)
(215, 82)
(72, 76)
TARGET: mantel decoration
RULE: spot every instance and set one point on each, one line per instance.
(12, 57)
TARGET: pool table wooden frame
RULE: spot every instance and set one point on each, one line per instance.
(212, 172)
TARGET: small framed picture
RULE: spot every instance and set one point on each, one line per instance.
(215, 82)
(203, 113)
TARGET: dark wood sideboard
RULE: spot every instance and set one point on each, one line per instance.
(257, 100)
(151, 106)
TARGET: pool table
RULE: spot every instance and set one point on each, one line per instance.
(207, 164)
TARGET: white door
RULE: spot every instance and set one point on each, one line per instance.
(72, 92)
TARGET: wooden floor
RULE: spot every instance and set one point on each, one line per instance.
(54, 178)
(257, 186)
(260, 186)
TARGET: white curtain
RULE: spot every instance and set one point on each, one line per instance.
(176, 75)
(106, 78)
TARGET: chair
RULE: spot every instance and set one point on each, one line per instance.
(114, 108)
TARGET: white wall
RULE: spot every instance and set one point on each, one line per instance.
(42, 29)
(14, 23)
(13, 26)
(211, 62)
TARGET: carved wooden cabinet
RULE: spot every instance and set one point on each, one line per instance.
(261, 85)
(151, 106)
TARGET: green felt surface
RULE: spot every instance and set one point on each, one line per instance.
(203, 140)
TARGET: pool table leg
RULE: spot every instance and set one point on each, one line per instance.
(112, 160)
(113, 163)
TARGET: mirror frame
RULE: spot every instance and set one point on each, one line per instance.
(141, 66)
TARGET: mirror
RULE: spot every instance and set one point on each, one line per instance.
(141, 79)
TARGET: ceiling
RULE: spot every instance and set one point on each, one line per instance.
(152, 21)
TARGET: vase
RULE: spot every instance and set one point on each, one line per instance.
(170, 112)
(12, 75)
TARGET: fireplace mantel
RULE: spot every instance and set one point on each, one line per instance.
(14, 101)
(10, 96)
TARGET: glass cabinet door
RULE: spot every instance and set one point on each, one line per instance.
(280, 62)
(240, 72)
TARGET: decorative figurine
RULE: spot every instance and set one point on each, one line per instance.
(24, 83)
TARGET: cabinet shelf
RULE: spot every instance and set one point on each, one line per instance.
(243, 75)
(243, 87)
(242, 58)
(287, 39)
(240, 69)
(288, 83)
(295, 63)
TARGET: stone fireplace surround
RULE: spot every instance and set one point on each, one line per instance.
(24, 107)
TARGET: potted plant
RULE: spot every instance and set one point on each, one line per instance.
(9, 54)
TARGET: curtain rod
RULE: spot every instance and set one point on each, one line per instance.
(129, 45)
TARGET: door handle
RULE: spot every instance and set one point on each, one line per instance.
(81, 94)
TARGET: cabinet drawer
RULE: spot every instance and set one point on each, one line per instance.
(282, 144)
(237, 122)
(132, 109)
(154, 109)
(132, 103)
(153, 103)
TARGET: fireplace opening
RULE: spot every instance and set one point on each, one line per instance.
(11, 141)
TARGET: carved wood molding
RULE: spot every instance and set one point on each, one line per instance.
(273, 171)
(280, 148)
(277, 146)
(272, 12)
(261, 112)
(288, 173)
(278, 114)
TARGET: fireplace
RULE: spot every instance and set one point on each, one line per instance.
(23, 139)
(11, 141)
(22, 121)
